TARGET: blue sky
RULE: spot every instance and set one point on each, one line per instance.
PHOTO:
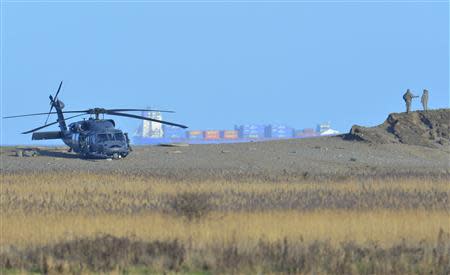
(220, 64)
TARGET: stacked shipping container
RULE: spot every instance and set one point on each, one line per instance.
(251, 131)
(242, 133)
(229, 134)
(211, 135)
(305, 133)
(279, 131)
(195, 135)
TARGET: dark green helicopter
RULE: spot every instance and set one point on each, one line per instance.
(91, 138)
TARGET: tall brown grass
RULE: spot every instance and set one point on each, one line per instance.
(241, 223)
(97, 194)
(107, 253)
(383, 226)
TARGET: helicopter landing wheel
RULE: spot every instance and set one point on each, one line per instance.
(116, 156)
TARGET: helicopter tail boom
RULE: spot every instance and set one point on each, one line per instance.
(47, 135)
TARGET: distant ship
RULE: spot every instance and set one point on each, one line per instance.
(153, 133)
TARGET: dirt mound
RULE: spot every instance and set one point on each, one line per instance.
(430, 129)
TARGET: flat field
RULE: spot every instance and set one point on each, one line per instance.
(72, 222)
(314, 206)
(318, 159)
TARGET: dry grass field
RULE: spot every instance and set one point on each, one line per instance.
(82, 222)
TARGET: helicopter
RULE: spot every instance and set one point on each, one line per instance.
(91, 138)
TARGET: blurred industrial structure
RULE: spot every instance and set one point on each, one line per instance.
(155, 133)
(149, 128)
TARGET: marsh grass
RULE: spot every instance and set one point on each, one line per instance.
(106, 194)
(382, 226)
(106, 253)
(354, 227)
(190, 205)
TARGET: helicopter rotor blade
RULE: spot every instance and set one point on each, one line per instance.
(91, 111)
(39, 114)
(146, 118)
(50, 111)
(135, 110)
(59, 89)
(50, 124)
(53, 99)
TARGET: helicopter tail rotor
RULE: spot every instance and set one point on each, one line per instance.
(53, 101)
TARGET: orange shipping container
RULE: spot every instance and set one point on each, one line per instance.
(211, 135)
(195, 132)
(230, 134)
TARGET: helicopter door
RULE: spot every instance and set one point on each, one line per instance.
(75, 144)
(83, 142)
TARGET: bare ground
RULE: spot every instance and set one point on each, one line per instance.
(405, 145)
(318, 158)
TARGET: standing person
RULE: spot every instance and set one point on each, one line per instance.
(407, 97)
(424, 100)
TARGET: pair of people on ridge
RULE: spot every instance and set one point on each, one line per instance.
(408, 97)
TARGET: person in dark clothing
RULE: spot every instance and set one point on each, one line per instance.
(408, 97)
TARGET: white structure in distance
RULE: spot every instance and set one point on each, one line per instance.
(152, 129)
(330, 132)
(324, 129)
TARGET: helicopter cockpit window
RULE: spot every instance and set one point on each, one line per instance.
(119, 136)
(102, 137)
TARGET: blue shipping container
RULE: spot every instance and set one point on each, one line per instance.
(251, 131)
(279, 131)
(197, 135)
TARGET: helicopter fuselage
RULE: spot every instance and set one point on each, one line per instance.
(96, 138)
